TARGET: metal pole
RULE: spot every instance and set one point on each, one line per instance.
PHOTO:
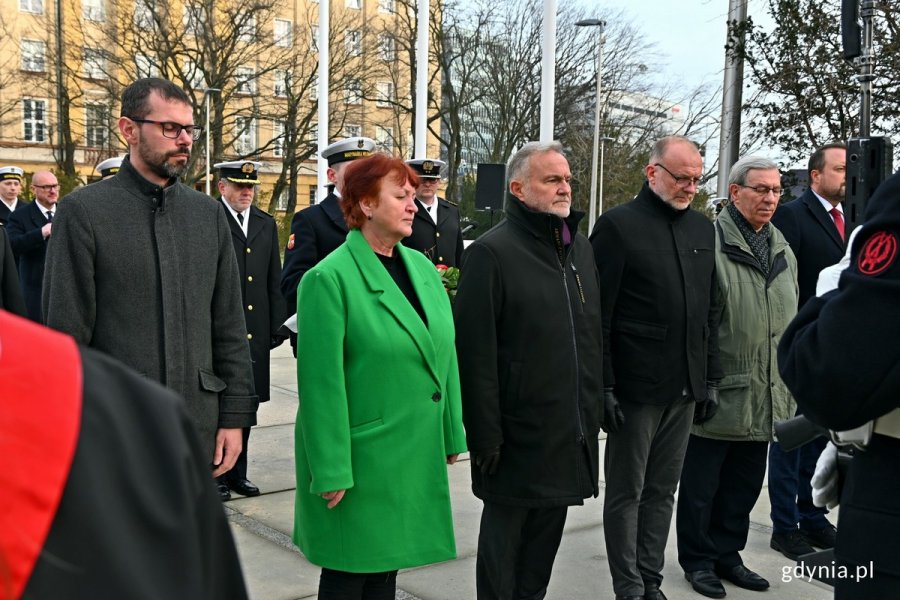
(548, 71)
(866, 63)
(324, 54)
(592, 204)
(603, 141)
(730, 137)
(421, 80)
(207, 96)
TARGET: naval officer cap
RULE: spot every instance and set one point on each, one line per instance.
(239, 171)
(11, 173)
(427, 168)
(110, 166)
(348, 149)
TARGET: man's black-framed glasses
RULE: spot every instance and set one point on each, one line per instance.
(762, 190)
(172, 130)
(679, 180)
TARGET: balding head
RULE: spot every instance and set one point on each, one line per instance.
(46, 188)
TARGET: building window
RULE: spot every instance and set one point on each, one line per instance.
(94, 64)
(194, 19)
(353, 3)
(385, 90)
(384, 137)
(314, 30)
(247, 29)
(245, 134)
(354, 42)
(34, 113)
(281, 200)
(312, 195)
(33, 55)
(353, 130)
(96, 125)
(386, 6)
(387, 47)
(282, 83)
(92, 10)
(353, 92)
(245, 81)
(144, 67)
(277, 139)
(314, 91)
(143, 14)
(284, 33)
(32, 6)
(193, 76)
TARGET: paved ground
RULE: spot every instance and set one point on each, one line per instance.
(275, 569)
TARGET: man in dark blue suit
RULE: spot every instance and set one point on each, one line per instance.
(813, 225)
(29, 233)
(318, 230)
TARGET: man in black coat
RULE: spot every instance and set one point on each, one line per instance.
(532, 416)
(111, 497)
(29, 232)
(10, 292)
(813, 225)
(10, 186)
(839, 357)
(656, 262)
(255, 237)
(318, 230)
(436, 232)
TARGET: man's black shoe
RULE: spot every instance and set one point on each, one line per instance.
(791, 544)
(630, 597)
(654, 594)
(821, 538)
(743, 577)
(706, 582)
(243, 487)
(224, 494)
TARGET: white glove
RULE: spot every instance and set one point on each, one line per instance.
(830, 276)
(825, 480)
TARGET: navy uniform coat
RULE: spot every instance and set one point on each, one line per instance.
(148, 275)
(30, 249)
(813, 237)
(840, 359)
(442, 243)
(10, 293)
(259, 265)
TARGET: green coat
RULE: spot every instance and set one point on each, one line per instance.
(379, 413)
(755, 313)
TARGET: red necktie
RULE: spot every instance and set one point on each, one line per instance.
(838, 217)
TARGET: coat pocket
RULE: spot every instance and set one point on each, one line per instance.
(637, 349)
(367, 426)
(211, 383)
(735, 414)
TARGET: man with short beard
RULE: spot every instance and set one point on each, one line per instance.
(660, 357)
(142, 267)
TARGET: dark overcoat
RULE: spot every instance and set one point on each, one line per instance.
(259, 265)
(442, 242)
(148, 275)
(10, 292)
(813, 238)
(30, 248)
(657, 279)
(527, 314)
(840, 358)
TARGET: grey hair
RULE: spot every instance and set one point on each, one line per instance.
(662, 144)
(739, 170)
(517, 167)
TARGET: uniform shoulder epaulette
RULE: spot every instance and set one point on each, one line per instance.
(450, 202)
(263, 211)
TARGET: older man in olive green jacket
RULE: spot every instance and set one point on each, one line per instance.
(725, 464)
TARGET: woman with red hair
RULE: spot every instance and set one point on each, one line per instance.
(380, 411)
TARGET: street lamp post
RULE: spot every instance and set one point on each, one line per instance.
(603, 141)
(206, 97)
(592, 210)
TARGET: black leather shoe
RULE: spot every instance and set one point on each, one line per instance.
(707, 583)
(224, 494)
(243, 487)
(791, 544)
(821, 538)
(654, 594)
(630, 597)
(743, 577)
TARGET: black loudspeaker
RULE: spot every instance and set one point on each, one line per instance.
(490, 186)
(869, 162)
(850, 35)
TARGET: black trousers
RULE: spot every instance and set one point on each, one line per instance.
(720, 483)
(341, 585)
(516, 549)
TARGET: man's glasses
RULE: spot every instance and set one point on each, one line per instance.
(762, 190)
(48, 187)
(173, 130)
(679, 180)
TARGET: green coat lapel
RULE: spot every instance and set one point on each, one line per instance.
(380, 282)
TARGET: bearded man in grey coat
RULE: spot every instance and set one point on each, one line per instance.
(142, 267)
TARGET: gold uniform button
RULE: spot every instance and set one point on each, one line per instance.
(248, 250)
(249, 277)
(249, 336)
(441, 258)
(437, 234)
(249, 307)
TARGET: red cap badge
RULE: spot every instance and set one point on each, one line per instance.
(878, 253)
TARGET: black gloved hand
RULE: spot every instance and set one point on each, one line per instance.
(488, 461)
(706, 410)
(613, 417)
(276, 340)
